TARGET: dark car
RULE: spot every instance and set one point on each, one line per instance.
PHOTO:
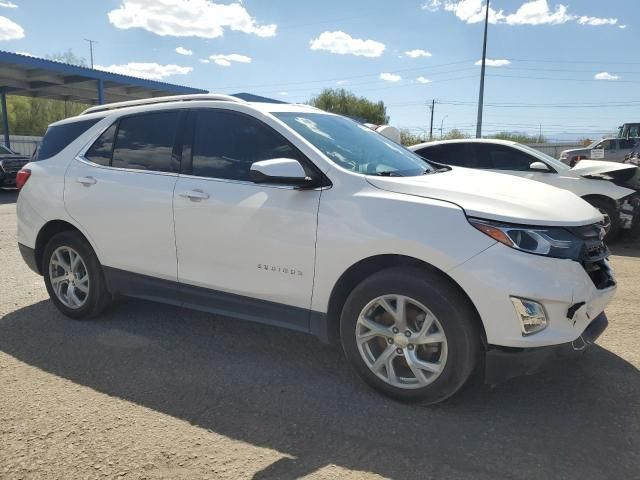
(10, 163)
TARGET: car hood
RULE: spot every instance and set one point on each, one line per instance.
(586, 168)
(495, 196)
(575, 150)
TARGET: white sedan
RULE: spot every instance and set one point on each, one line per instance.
(598, 182)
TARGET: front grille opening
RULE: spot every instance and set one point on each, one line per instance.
(600, 274)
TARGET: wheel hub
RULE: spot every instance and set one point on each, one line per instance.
(400, 341)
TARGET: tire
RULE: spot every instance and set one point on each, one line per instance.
(455, 318)
(608, 209)
(82, 304)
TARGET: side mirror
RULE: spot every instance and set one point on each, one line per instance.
(539, 167)
(285, 171)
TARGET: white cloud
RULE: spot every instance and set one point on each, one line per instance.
(342, 43)
(596, 21)
(227, 60)
(342, 82)
(500, 62)
(284, 94)
(432, 5)
(605, 76)
(418, 52)
(187, 18)
(152, 71)
(7, 4)
(423, 80)
(10, 30)
(531, 12)
(204, 60)
(622, 27)
(390, 77)
(184, 51)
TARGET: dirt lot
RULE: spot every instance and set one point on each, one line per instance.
(151, 391)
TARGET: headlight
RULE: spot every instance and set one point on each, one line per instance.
(564, 156)
(552, 242)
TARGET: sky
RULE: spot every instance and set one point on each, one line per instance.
(568, 68)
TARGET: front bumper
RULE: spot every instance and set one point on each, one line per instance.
(570, 296)
(502, 364)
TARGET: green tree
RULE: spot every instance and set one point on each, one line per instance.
(520, 137)
(346, 103)
(408, 138)
(455, 134)
(67, 57)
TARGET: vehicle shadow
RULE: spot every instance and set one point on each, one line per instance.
(286, 391)
(8, 196)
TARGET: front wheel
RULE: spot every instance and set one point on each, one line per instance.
(410, 334)
(73, 276)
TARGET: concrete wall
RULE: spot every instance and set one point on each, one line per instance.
(554, 149)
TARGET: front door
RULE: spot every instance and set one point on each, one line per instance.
(245, 249)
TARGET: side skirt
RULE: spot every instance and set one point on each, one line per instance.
(226, 304)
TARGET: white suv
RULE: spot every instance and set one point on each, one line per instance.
(291, 216)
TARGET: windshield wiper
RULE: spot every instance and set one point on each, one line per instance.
(436, 170)
(388, 173)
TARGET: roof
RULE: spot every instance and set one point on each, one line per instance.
(38, 77)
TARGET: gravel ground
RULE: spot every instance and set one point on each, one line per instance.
(152, 391)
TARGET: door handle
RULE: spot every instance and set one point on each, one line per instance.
(195, 195)
(86, 181)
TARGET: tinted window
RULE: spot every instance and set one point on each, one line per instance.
(452, 154)
(5, 151)
(624, 143)
(502, 157)
(100, 151)
(58, 137)
(226, 144)
(145, 142)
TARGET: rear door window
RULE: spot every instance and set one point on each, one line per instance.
(145, 142)
(58, 137)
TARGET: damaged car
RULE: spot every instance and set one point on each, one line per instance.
(603, 184)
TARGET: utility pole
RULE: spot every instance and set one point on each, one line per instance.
(91, 42)
(432, 108)
(484, 59)
(441, 123)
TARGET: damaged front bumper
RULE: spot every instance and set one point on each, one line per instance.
(503, 363)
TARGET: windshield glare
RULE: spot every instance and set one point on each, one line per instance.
(353, 146)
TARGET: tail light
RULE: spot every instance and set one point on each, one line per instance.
(21, 177)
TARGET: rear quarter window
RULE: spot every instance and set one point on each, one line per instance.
(58, 137)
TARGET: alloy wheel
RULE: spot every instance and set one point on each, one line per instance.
(401, 341)
(69, 277)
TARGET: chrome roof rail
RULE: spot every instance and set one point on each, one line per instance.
(157, 100)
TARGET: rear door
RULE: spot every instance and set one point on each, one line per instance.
(244, 248)
(121, 191)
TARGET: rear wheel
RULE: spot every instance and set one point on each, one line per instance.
(73, 276)
(611, 221)
(410, 334)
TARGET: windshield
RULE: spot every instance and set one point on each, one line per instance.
(548, 159)
(354, 146)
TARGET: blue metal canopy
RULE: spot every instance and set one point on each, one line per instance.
(37, 77)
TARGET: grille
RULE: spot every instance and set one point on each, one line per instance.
(594, 254)
(12, 165)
